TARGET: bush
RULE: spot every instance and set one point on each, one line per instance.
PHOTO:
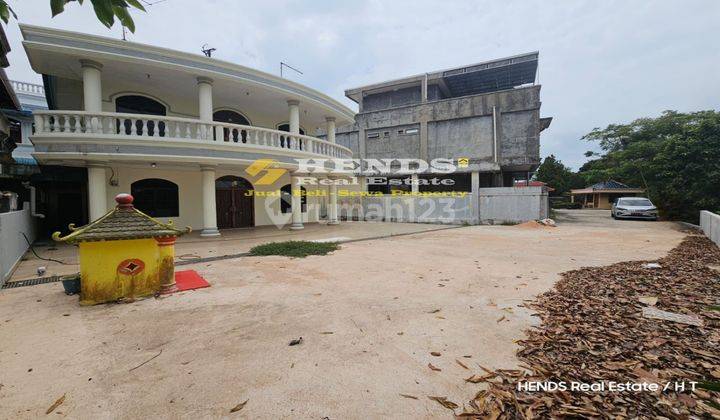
(298, 249)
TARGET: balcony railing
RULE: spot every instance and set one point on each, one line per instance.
(161, 128)
(29, 88)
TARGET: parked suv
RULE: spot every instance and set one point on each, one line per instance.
(634, 208)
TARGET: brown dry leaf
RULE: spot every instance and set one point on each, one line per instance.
(435, 353)
(462, 364)
(432, 367)
(501, 319)
(434, 311)
(444, 402)
(239, 407)
(327, 332)
(409, 396)
(56, 404)
(591, 330)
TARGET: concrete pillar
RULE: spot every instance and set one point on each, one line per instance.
(92, 85)
(294, 118)
(330, 129)
(296, 197)
(208, 204)
(205, 98)
(333, 205)
(415, 186)
(424, 89)
(97, 192)
(474, 187)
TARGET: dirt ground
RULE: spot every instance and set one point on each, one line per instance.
(370, 314)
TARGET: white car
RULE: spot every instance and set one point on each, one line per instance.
(634, 208)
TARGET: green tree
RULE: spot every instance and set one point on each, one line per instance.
(105, 10)
(558, 176)
(675, 157)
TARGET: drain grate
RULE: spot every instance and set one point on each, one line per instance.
(31, 282)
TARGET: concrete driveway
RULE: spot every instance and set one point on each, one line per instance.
(370, 315)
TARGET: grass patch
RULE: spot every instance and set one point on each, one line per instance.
(298, 249)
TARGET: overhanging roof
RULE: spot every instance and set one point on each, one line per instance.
(489, 76)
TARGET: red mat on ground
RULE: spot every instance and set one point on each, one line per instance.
(189, 280)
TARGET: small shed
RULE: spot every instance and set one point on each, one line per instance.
(124, 254)
(603, 194)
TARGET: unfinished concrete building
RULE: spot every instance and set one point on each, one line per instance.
(488, 113)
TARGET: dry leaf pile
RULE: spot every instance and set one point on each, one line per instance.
(592, 330)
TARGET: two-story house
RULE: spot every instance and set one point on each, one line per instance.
(192, 138)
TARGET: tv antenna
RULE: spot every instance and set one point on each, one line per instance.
(288, 66)
(207, 51)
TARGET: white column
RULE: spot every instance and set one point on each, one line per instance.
(294, 119)
(415, 187)
(296, 197)
(208, 203)
(330, 129)
(205, 98)
(333, 204)
(92, 85)
(205, 105)
(474, 187)
(97, 192)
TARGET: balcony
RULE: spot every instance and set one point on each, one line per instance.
(116, 129)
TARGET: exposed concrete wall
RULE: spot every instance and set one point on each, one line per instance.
(391, 142)
(463, 137)
(456, 127)
(12, 243)
(512, 205)
(710, 224)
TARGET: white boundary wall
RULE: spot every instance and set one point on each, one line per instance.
(513, 205)
(710, 224)
(489, 206)
(12, 243)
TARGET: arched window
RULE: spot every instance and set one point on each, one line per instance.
(286, 199)
(156, 197)
(136, 104)
(286, 127)
(283, 142)
(232, 117)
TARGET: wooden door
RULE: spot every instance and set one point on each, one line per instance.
(235, 208)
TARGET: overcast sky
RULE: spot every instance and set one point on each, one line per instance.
(601, 62)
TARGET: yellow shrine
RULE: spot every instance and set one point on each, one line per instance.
(125, 254)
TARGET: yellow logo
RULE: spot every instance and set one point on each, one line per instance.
(271, 175)
(463, 162)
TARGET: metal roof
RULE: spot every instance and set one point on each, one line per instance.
(489, 76)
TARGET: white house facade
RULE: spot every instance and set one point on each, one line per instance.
(180, 131)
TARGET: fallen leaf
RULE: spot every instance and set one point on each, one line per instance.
(239, 407)
(444, 402)
(436, 369)
(436, 353)
(56, 404)
(409, 396)
(462, 364)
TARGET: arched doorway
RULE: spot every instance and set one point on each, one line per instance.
(232, 117)
(286, 199)
(234, 206)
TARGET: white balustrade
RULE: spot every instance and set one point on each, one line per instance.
(152, 127)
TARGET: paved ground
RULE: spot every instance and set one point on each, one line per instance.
(233, 241)
(369, 314)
